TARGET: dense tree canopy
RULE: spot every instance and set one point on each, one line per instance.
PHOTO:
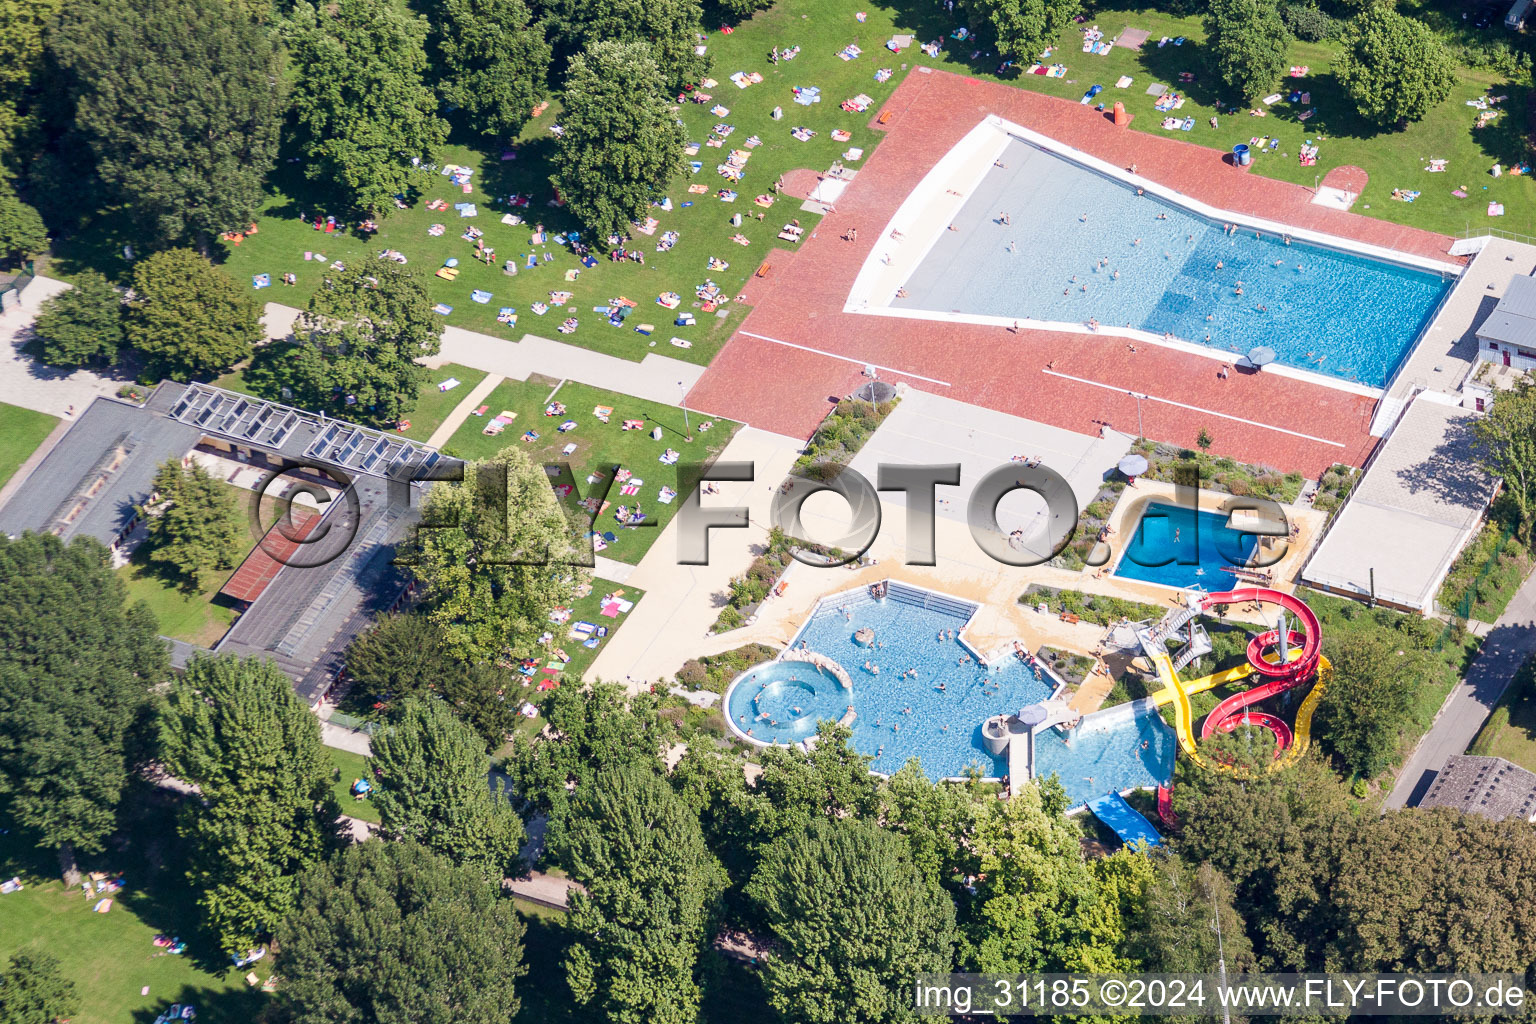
(1368, 698)
(406, 656)
(1187, 922)
(1393, 67)
(854, 920)
(234, 728)
(358, 342)
(1020, 28)
(652, 888)
(621, 143)
(80, 326)
(493, 553)
(196, 524)
(188, 319)
(1248, 44)
(667, 28)
(391, 933)
(367, 122)
(179, 103)
(492, 59)
(22, 234)
(34, 990)
(434, 792)
(1506, 439)
(22, 27)
(75, 673)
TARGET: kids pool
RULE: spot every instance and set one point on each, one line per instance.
(1177, 546)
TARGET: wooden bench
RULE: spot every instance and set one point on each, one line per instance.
(884, 118)
(1068, 617)
(762, 271)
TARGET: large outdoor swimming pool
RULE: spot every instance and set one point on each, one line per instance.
(1179, 547)
(1081, 245)
(899, 716)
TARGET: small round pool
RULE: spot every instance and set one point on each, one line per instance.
(781, 701)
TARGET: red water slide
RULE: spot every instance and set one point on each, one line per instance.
(1298, 669)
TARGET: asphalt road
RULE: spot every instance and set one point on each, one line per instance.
(1509, 643)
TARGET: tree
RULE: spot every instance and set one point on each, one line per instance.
(195, 525)
(492, 57)
(1178, 929)
(391, 933)
(621, 143)
(1506, 448)
(75, 673)
(435, 793)
(1020, 28)
(81, 326)
(179, 102)
(597, 728)
(734, 11)
(22, 25)
(407, 656)
(22, 234)
(188, 318)
(1248, 44)
(1393, 67)
(668, 29)
(652, 889)
(1368, 698)
(1037, 907)
(854, 920)
(493, 552)
(359, 341)
(366, 121)
(34, 990)
(1204, 440)
(235, 729)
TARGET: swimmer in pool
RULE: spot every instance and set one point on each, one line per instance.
(1115, 275)
(1220, 264)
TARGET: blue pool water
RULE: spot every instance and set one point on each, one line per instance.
(1105, 753)
(1179, 547)
(1320, 309)
(943, 728)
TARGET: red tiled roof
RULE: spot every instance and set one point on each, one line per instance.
(782, 388)
(269, 555)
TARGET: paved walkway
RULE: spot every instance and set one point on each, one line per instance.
(655, 378)
(1509, 643)
(30, 384)
(345, 739)
(460, 413)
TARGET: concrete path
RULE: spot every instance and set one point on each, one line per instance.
(345, 739)
(30, 384)
(460, 413)
(655, 378)
(1509, 643)
(608, 569)
(546, 889)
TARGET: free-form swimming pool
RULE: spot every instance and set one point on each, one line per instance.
(1178, 546)
(1080, 246)
(900, 716)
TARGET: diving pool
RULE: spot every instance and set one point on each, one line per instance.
(1177, 546)
(899, 716)
(1082, 246)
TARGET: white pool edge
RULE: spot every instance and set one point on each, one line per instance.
(930, 206)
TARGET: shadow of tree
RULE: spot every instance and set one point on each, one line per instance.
(1450, 472)
(213, 1006)
(1505, 139)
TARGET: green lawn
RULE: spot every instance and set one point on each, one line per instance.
(349, 767)
(599, 445)
(820, 27)
(1392, 159)
(434, 405)
(194, 616)
(1486, 575)
(22, 430)
(111, 957)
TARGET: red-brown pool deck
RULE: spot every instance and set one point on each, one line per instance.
(1076, 381)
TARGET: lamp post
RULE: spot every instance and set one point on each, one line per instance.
(1140, 430)
(683, 392)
